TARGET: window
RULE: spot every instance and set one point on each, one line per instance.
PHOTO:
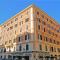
(15, 32)
(58, 43)
(9, 41)
(27, 47)
(46, 48)
(26, 27)
(50, 40)
(21, 22)
(0, 38)
(11, 22)
(11, 27)
(14, 41)
(46, 39)
(20, 29)
(47, 19)
(39, 37)
(39, 27)
(51, 49)
(15, 25)
(27, 12)
(54, 49)
(37, 13)
(8, 29)
(19, 38)
(54, 42)
(16, 19)
(58, 49)
(49, 31)
(43, 23)
(44, 29)
(8, 24)
(21, 16)
(4, 49)
(42, 16)
(27, 19)
(40, 46)
(6, 42)
(20, 48)
(27, 37)
(38, 19)
(4, 25)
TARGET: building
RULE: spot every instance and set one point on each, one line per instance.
(30, 35)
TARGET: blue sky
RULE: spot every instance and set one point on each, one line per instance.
(9, 8)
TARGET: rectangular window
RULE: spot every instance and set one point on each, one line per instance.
(27, 19)
(39, 37)
(46, 39)
(46, 48)
(27, 37)
(37, 13)
(11, 27)
(15, 25)
(39, 27)
(27, 47)
(44, 29)
(51, 49)
(19, 39)
(16, 19)
(40, 47)
(20, 48)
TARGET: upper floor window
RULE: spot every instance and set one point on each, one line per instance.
(16, 19)
(54, 41)
(51, 49)
(21, 16)
(15, 25)
(58, 49)
(27, 19)
(37, 13)
(50, 40)
(27, 47)
(42, 16)
(11, 22)
(20, 48)
(11, 27)
(47, 19)
(26, 27)
(46, 48)
(40, 46)
(9, 41)
(4, 25)
(8, 29)
(43, 23)
(39, 27)
(20, 29)
(46, 39)
(27, 36)
(38, 19)
(20, 38)
(39, 37)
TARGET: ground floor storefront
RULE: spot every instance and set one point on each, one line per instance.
(34, 55)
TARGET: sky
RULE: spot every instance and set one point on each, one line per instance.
(9, 8)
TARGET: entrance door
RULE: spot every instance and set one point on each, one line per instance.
(26, 57)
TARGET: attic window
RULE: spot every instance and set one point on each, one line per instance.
(37, 13)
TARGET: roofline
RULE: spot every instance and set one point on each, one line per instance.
(17, 14)
(26, 9)
(47, 15)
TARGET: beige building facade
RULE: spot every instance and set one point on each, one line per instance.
(30, 35)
